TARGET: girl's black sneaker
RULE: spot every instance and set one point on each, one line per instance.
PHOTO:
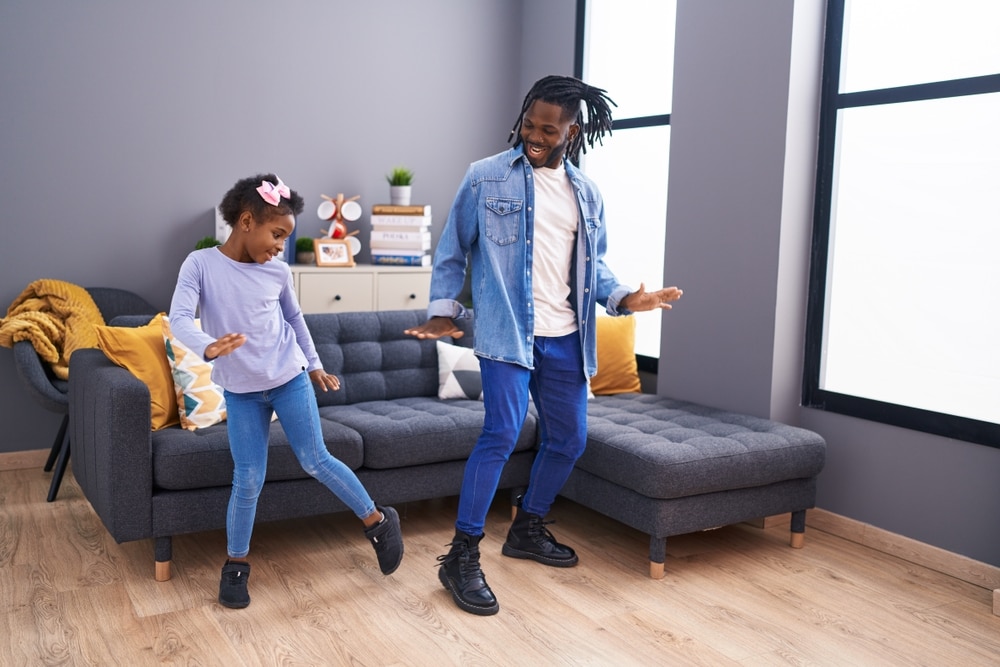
(387, 539)
(233, 587)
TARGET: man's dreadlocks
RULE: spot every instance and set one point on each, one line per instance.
(568, 93)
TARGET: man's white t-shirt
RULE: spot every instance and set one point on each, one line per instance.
(554, 241)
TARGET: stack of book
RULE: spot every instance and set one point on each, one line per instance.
(401, 235)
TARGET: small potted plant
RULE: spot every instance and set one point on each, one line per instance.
(207, 242)
(305, 250)
(400, 182)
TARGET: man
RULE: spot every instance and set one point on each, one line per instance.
(532, 226)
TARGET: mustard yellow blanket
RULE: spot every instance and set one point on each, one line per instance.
(57, 317)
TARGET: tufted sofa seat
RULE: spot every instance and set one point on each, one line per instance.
(669, 467)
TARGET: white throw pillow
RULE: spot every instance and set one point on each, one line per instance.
(458, 372)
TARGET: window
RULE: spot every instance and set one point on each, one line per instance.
(904, 313)
(627, 48)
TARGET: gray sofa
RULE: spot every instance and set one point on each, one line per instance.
(662, 466)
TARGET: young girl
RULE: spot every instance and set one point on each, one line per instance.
(252, 326)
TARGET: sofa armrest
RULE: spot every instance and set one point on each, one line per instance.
(111, 442)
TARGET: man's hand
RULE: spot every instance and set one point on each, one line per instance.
(324, 380)
(225, 345)
(435, 328)
(642, 300)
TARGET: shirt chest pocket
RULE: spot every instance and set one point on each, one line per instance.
(503, 219)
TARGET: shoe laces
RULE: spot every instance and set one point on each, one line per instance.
(468, 559)
(538, 532)
(233, 577)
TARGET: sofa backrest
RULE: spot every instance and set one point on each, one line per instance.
(372, 356)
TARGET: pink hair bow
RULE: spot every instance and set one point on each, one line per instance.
(271, 193)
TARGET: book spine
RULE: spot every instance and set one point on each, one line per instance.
(398, 228)
(416, 247)
(397, 220)
(401, 260)
(411, 237)
(397, 209)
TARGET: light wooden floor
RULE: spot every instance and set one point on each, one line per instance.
(734, 596)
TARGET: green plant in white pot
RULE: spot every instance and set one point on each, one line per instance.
(305, 250)
(400, 182)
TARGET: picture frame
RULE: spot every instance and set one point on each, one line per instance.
(333, 252)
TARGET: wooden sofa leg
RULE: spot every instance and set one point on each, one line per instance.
(163, 570)
(516, 496)
(798, 539)
(163, 549)
(657, 556)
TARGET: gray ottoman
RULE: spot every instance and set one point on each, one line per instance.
(668, 467)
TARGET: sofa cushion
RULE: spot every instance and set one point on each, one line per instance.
(141, 351)
(195, 459)
(418, 430)
(617, 368)
(459, 375)
(200, 402)
(664, 448)
(372, 357)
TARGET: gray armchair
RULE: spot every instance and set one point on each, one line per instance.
(51, 392)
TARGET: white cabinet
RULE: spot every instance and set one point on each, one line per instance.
(365, 287)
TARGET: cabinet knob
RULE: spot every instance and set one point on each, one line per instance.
(413, 296)
(336, 297)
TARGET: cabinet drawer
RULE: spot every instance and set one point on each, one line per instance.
(403, 291)
(338, 292)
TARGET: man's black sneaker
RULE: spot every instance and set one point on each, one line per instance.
(233, 587)
(529, 538)
(387, 539)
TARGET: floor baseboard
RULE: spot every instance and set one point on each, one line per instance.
(940, 560)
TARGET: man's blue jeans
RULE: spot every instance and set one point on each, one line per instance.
(249, 420)
(558, 387)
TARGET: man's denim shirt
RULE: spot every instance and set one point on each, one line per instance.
(492, 222)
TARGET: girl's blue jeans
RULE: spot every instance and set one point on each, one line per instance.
(558, 388)
(249, 420)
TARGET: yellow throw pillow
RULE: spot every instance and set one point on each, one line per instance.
(141, 351)
(617, 371)
(200, 402)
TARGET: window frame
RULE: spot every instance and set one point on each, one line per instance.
(645, 363)
(831, 104)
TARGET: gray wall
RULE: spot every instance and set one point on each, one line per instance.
(124, 123)
(123, 127)
(742, 164)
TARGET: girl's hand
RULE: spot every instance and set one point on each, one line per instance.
(324, 380)
(225, 345)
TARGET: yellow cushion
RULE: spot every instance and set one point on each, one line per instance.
(617, 371)
(141, 351)
(200, 402)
